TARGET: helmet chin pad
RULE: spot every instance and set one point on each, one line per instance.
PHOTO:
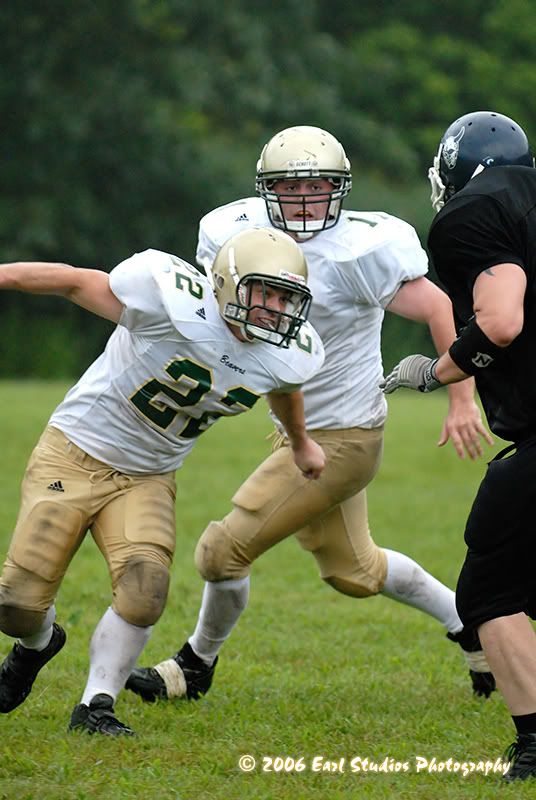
(308, 225)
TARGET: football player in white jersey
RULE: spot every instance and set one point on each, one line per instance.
(185, 353)
(360, 265)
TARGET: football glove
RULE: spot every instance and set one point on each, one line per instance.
(413, 372)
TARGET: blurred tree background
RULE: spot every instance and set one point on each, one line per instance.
(124, 122)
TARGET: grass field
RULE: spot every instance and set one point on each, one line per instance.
(307, 673)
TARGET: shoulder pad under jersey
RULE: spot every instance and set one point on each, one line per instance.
(187, 295)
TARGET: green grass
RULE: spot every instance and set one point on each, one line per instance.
(307, 672)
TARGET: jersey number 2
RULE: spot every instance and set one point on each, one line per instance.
(162, 415)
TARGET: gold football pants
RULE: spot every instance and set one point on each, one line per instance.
(65, 493)
(328, 516)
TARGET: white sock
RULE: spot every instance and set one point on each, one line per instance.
(223, 603)
(409, 583)
(39, 640)
(113, 652)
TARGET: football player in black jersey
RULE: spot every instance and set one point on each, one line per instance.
(483, 245)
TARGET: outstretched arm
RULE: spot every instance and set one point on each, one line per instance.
(89, 288)
(498, 298)
(308, 455)
(422, 301)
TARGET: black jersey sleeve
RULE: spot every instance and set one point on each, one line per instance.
(470, 236)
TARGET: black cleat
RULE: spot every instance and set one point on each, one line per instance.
(21, 667)
(483, 682)
(522, 757)
(98, 717)
(147, 682)
(187, 676)
(197, 674)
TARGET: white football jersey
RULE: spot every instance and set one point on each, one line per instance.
(355, 270)
(172, 368)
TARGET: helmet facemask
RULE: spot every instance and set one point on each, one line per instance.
(279, 327)
(304, 228)
(259, 278)
(443, 190)
(438, 196)
(303, 153)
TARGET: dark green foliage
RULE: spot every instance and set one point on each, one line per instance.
(124, 122)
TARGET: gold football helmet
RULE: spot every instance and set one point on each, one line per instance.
(303, 152)
(258, 262)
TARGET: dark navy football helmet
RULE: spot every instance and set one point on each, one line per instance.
(471, 144)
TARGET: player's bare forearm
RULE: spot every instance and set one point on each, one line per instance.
(89, 288)
(38, 277)
(449, 373)
(308, 455)
(422, 301)
(288, 408)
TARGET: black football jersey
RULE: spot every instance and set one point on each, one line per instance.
(491, 221)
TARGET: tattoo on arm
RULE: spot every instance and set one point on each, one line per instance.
(489, 271)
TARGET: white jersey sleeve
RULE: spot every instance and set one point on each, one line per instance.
(297, 364)
(134, 283)
(392, 255)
